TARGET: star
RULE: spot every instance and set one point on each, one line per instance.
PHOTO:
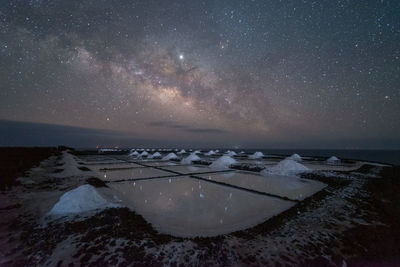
(219, 73)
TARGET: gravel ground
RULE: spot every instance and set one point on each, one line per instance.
(355, 220)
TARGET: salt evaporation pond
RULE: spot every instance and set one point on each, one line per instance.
(97, 167)
(186, 169)
(322, 166)
(291, 187)
(189, 207)
(102, 161)
(136, 173)
(159, 163)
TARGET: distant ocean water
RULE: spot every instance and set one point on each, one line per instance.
(382, 156)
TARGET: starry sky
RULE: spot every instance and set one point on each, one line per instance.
(282, 74)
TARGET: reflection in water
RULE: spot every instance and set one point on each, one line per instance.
(182, 209)
(192, 168)
(119, 174)
(226, 175)
(292, 187)
(187, 169)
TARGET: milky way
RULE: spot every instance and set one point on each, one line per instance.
(232, 73)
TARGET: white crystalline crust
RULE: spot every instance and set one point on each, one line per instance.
(223, 163)
(79, 200)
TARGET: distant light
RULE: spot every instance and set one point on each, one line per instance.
(181, 57)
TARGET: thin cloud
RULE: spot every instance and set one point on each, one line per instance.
(185, 128)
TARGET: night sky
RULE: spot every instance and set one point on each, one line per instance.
(311, 74)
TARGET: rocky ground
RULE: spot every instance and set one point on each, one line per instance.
(355, 221)
(14, 161)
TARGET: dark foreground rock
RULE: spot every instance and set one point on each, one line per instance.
(91, 236)
(15, 161)
(378, 244)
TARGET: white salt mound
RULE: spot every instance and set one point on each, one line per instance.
(170, 156)
(81, 199)
(144, 154)
(285, 167)
(295, 157)
(182, 151)
(210, 153)
(256, 155)
(190, 158)
(156, 155)
(134, 153)
(333, 160)
(230, 153)
(223, 163)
